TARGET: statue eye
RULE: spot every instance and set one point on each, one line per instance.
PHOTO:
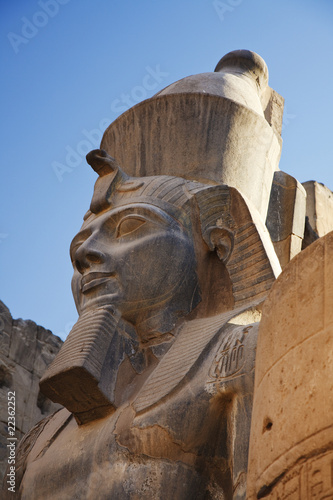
(129, 225)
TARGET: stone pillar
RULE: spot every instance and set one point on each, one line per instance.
(291, 445)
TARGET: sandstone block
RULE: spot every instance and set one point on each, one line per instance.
(286, 216)
(319, 207)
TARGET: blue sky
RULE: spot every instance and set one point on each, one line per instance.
(70, 67)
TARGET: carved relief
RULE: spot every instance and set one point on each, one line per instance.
(312, 479)
(229, 360)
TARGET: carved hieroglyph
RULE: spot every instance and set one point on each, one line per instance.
(171, 266)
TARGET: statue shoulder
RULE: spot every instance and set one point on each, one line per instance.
(37, 439)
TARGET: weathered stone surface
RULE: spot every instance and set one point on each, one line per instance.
(273, 104)
(319, 207)
(180, 446)
(310, 234)
(292, 432)
(286, 216)
(25, 351)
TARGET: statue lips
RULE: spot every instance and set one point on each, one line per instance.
(91, 280)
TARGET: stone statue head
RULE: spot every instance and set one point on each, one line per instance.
(154, 248)
(148, 247)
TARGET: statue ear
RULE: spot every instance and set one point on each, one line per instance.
(221, 240)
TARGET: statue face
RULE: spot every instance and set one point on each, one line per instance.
(137, 259)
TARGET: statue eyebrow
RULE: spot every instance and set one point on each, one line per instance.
(144, 209)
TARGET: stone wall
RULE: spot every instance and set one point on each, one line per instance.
(26, 349)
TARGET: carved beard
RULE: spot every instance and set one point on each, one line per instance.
(83, 375)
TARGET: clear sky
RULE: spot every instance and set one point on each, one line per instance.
(70, 67)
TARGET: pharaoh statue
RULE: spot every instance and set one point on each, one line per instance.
(173, 262)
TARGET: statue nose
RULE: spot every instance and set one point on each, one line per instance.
(88, 255)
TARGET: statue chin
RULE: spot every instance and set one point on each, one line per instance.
(74, 378)
(83, 376)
